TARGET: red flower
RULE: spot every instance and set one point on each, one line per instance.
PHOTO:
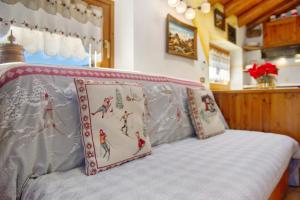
(81, 89)
(271, 69)
(84, 106)
(263, 70)
(253, 71)
(87, 125)
(82, 98)
(85, 118)
(92, 164)
(93, 172)
(87, 134)
(90, 154)
(89, 145)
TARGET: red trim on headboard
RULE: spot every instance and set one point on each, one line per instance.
(16, 72)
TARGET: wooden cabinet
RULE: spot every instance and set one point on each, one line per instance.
(282, 32)
(276, 111)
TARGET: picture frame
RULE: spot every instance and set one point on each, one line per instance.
(231, 33)
(181, 38)
(219, 19)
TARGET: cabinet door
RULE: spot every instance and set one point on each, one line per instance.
(284, 114)
(244, 111)
(282, 32)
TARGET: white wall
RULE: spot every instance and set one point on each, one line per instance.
(124, 35)
(150, 42)
(236, 58)
(289, 69)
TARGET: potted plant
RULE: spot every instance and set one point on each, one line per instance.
(264, 74)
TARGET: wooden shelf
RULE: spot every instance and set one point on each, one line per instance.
(251, 48)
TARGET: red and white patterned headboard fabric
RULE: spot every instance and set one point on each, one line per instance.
(19, 71)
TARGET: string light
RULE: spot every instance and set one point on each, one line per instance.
(173, 3)
(188, 11)
(181, 8)
(190, 14)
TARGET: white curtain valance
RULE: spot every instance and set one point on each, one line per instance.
(219, 66)
(79, 10)
(55, 16)
(50, 43)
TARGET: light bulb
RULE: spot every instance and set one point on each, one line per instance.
(205, 7)
(190, 14)
(181, 8)
(173, 3)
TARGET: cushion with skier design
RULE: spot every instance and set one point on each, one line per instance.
(112, 123)
(205, 113)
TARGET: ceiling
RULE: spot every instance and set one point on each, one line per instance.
(254, 12)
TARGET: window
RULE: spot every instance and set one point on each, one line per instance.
(219, 65)
(59, 50)
(42, 58)
(54, 32)
(49, 48)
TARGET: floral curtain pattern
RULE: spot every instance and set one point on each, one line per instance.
(60, 18)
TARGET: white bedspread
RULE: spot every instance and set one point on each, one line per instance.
(237, 165)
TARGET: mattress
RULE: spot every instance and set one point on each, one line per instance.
(237, 165)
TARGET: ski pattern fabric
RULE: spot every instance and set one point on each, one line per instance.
(119, 131)
(40, 119)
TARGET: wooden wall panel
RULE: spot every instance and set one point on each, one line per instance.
(276, 111)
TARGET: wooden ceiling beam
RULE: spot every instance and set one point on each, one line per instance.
(219, 1)
(258, 11)
(226, 1)
(281, 8)
(214, 1)
(238, 7)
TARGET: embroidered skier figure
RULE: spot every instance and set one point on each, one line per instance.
(133, 97)
(104, 144)
(125, 120)
(48, 112)
(105, 106)
(178, 114)
(48, 115)
(140, 142)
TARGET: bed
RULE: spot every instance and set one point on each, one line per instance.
(48, 164)
(239, 165)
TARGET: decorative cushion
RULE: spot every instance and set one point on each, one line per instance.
(112, 123)
(166, 118)
(205, 114)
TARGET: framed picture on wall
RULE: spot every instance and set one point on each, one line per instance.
(231, 33)
(181, 38)
(219, 18)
